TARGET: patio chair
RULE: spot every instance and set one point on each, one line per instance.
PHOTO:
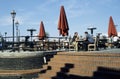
(94, 46)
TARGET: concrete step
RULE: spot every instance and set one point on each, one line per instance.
(107, 75)
(89, 63)
(67, 57)
(72, 76)
(108, 69)
(47, 75)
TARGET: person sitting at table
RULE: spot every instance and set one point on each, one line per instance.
(97, 39)
(74, 41)
(118, 43)
(115, 41)
(88, 39)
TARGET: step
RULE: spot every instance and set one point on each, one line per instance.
(48, 57)
(87, 57)
(102, 57)
(64, 57)
(52, 71)
(97, 78)
(59, 78)
(19, 72)
(109, 69)
(43, 78)
(45, 69)
(107, 75)
(82, 73)
(91, 53)
(48, 74)
(56, 64)
(65, 70)
(61, 74)
(72, 76)
(89, 63)
(66, 60)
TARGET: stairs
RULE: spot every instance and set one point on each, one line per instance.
(74, 65)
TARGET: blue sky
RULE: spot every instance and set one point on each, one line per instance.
(81, 14)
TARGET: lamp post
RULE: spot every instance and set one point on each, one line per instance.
(17, 24)
(5, 35)
(13, 13)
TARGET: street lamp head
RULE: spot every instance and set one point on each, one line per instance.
(13, 13)
(16, 23)
(5, 33)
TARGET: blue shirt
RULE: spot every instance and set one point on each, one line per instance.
(89, 38)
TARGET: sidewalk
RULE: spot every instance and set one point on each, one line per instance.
(109, 50)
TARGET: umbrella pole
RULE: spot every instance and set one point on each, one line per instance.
(43, 44)
(69, 42)
(63, 43)
(59, 44)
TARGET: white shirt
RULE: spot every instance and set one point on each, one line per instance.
(115, 38)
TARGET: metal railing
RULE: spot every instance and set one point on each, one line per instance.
(25, 43)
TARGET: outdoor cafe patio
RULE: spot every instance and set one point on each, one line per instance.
(46, 43)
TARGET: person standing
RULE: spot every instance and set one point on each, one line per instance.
(75, 40)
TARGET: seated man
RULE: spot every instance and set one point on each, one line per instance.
(118, 42)
(88, 39)
(26, 41)
(74, 41)
(115, 41)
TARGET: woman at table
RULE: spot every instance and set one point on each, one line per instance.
(74, 41)
(88, 39)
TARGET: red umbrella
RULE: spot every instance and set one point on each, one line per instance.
(111, 28)
(63, 23)
(42, 33)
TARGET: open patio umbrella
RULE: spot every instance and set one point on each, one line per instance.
(63, 23)
(42, 33)
(111, 28)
